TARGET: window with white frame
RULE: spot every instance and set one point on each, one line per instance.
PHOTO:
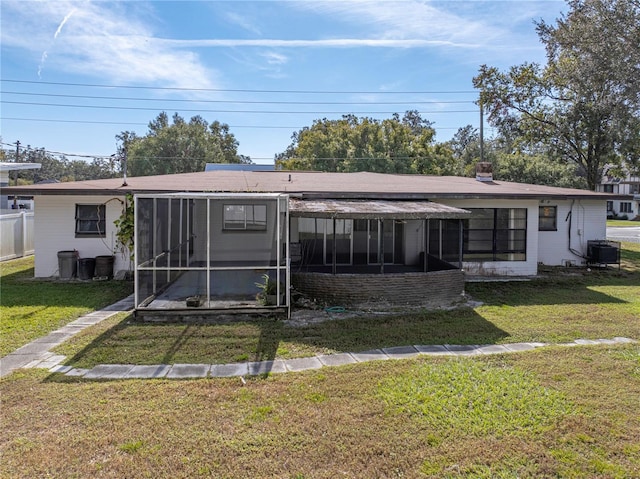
(90, 221)
(245, 217)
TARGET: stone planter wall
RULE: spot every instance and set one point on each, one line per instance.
(436, 289)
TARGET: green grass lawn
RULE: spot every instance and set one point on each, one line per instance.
(561, 307)
(553, 412)
(622, 223)
(33, 308)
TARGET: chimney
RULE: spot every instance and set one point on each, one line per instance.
(484, 171)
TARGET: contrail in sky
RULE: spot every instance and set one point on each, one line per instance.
(55, 35)
(64, 20)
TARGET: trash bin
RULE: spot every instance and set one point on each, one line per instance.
(86, 268)
(67, 264)
(104, 267)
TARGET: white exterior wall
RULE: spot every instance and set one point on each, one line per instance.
(55, 231)
(588, 222)
(506, 268)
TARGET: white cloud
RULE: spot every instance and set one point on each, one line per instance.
(324, 43)
(243, 22)
(404, 20)
(274, 58)
(101, 39)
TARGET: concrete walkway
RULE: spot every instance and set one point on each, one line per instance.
(37, 355)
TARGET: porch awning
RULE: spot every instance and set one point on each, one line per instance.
(374, 209)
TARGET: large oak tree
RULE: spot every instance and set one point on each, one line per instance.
(583, 106)
(392, 145)
(178, 146)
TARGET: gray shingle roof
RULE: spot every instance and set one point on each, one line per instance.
(363, 185)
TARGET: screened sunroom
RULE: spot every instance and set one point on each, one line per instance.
(197, 252)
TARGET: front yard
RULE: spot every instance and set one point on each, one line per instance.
(553, 412)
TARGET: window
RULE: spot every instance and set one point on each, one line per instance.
(547, 218)
(609, 205)
(607, 188)
(625, 207)
(495, 234)
(245, 217)
(90, 221)
(359, 242)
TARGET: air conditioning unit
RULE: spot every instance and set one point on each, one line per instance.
(603, 252)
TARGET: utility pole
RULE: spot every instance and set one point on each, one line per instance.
(124, 165)
(481, 133)
(15, 174)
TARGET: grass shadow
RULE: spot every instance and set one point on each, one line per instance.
(131, 342)
(571, 290)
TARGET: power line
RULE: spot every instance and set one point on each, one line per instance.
(196, 110)
(243, 102)
(332, 92)
(269, 127)
(52, 120)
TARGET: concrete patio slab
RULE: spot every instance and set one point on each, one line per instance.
(149, 371)
(401, 352)
(302, 364)
(184, 371)
(339, 359)
(372, 355)
(229, 370)
(266, 367)
(109, 371)
(463, 349)
(492, 349)
(33, 349)
(60, 369)
(57, 337)
(33, 364)
(517, 347)
(434, 349)
(52, 361)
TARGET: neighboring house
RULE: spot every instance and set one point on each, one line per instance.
(627, 206)
(16, 202)
(16, 215)
(205, 239)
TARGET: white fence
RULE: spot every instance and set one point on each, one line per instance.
(16, 235)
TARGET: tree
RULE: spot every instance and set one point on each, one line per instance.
(61, 168)
(536, 170)
(393, 145)
(584, 105)
(178, 147)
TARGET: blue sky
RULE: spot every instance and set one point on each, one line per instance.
(75, 74)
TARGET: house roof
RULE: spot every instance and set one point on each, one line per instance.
(361, 185)
(373, 209)
(8, 166)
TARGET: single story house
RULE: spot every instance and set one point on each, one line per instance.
(214, 239)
